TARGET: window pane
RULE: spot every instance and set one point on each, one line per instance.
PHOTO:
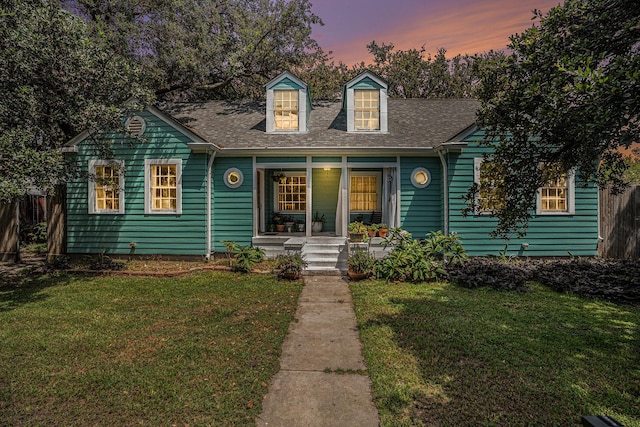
(164, 187)
(364, 193)
(366, 109)
(554, 194)
(292, 194)
(107, 184)
(286, 109)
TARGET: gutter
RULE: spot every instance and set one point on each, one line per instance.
(212, 156)
(445, 180)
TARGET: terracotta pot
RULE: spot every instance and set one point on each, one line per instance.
(356, 276)
(280, 227)
(291, 276)
(372, 233)
(382, 232)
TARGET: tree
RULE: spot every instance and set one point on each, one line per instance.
(568, 94)
(57, 79)
(205, 49)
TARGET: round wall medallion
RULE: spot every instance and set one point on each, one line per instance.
(420, 177)
(233, 178)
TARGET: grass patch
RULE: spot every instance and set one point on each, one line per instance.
(192, 350)
(444, 355)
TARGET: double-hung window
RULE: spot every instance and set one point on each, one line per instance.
(490, 196)
(366, 109)
(285, 109)
(106, 187)
(556, 196)
(291, 193)
(364, 194)
(163, 186)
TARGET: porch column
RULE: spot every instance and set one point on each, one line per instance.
(308, 213)
(344, 190)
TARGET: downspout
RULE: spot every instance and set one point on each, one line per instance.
(445, 175)
(212, 156)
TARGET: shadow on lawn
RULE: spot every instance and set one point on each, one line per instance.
(511, 359)
(27, 287)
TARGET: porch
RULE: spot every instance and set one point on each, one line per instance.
(324, 254)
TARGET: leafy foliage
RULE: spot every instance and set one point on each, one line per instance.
(290, 265)
(206, 49)
(496, 274)
(57, 80)
(361, 261)
(243, 257)
(568, 94)
(615, 280)
(414, 261)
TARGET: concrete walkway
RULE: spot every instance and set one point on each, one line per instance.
(322, 379)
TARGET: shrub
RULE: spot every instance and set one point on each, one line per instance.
(361, 261)
(289, 265)
(481, 272)
(106, 263)
(243, 257)
(615, 280)
(413, 261)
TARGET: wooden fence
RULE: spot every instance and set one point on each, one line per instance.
(619, 224)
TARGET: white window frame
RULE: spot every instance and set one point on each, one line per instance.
(571, 198)
(477, 164)
(148, 191)
(378, 176)
(276, 192)
(365, 110)
(294, 94)
(93, 210)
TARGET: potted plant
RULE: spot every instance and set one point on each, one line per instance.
(357, 232)
(290, 265)
(300, 225)
(318, 222)
(361, 264)
(372, 230)
(288, 223)
(382, 230)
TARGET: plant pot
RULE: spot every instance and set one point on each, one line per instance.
(289, 226)
(372, 233)
(356, 237)
(301, 227)
(280, 227)
(356, 276)
(316, 226)
(382, 232)
(291, 276)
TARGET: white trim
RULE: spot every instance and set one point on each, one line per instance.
(445, 189)
(143, 125)
(208, 228)
(344, 189)
(308, 215)
(147, 187)
(91, 201)
(398, 193)
(571, 199)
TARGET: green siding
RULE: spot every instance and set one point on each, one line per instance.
(366, 83)
(325, 196)
(326, 159)
(286, 84)
(281, 160)
(421, 208)
(547, 235)
(232, 207)
(371, 159)
(183, 234)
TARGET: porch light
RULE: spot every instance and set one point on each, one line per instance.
(327, 169)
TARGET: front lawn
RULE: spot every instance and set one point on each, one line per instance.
(441, 355)
(192, 350)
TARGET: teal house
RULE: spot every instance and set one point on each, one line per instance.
(262, 173)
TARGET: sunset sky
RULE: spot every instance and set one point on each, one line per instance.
(460, 26)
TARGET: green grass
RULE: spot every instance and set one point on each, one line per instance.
(193, 350)
(444, 355)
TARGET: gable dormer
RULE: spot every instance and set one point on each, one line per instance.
(365, 102)
(288, 104)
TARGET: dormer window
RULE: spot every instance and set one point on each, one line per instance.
(285, 109)
(364, 101)
(366, 109)
(288, 104)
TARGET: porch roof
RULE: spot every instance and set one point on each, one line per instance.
(413, 123)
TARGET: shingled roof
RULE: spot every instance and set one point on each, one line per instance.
(413, 124)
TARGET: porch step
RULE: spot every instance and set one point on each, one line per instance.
(325, 256)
